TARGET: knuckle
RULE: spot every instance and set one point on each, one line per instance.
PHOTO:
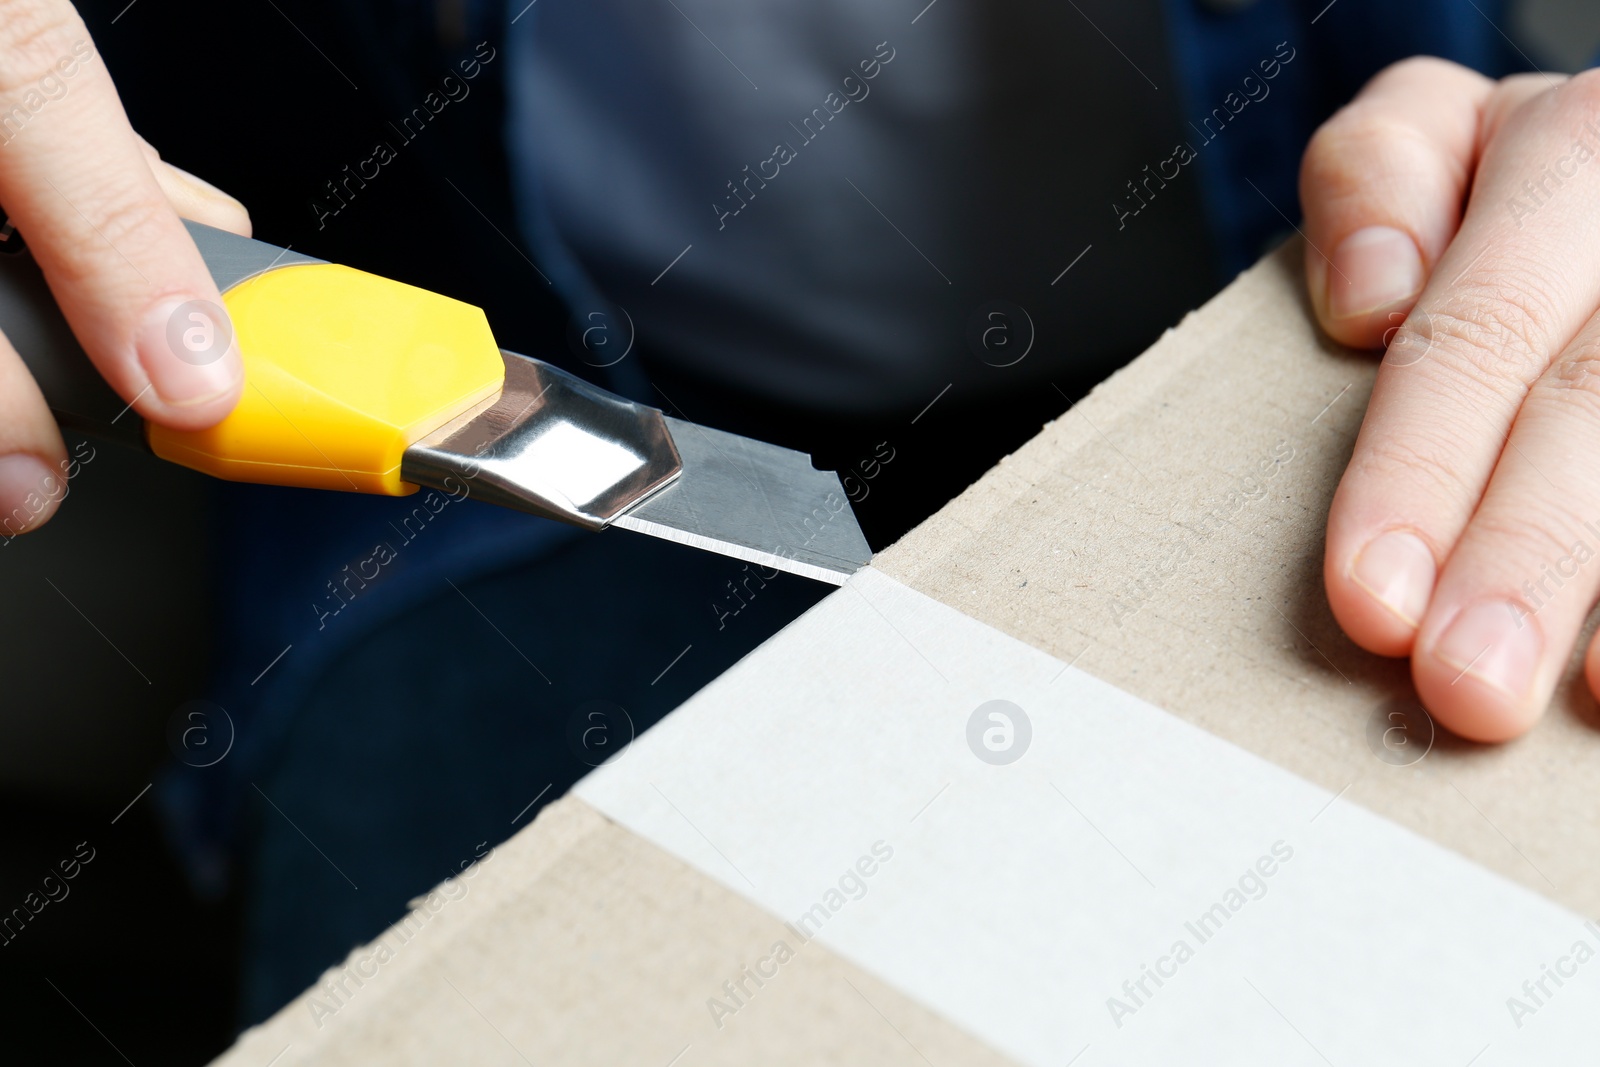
(1494, 332)
(1427, 463)
(131, 215)
(34, 37)
(1360, 128)
(1415, 69)
(1531, 530)
(1423, 64)
(1532, 82)
(121, 223)
(1576, 380)
(1523, 97)
(1580, 93)
(1343, 152)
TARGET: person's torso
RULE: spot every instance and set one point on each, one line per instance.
(847, 206)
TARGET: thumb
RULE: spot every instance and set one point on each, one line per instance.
(1382, 186)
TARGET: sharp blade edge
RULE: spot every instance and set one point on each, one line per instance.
(756, 502)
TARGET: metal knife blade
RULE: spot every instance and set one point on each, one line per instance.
(756, 502)
(554, 445)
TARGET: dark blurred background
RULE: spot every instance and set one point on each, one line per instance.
(270, 99)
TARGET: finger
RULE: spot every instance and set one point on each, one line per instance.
(1382, 185)
(1517, 588)
(32, 456)
(75, 181)
(195, 198)
(1507, 294)
(199, 200)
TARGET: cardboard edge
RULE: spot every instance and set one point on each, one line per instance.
(563, 826)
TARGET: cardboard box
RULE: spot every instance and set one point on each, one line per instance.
(838, 854)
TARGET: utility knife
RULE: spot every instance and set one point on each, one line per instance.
(360, 383)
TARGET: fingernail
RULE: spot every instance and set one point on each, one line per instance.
(29, 492)
(1496, 642)
(202, 186)
(1371, 269)
(186, 348)
(1398, 570)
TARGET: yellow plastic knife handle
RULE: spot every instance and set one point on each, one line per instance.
(343, 370)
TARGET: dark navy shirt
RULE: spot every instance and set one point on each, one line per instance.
(1106, 165)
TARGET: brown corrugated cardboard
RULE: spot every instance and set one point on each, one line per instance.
(1169, 530)
(1165, 535)
(577, 942)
